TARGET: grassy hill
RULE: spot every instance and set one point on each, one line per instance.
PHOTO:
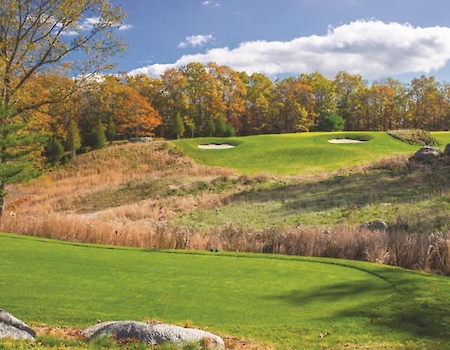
(280, 302)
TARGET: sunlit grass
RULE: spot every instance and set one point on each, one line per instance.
(291, 302)
(296, 154)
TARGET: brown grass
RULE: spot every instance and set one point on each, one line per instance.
(99, 199)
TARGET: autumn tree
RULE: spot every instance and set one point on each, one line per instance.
(324, 91)
(428, 103)
(205, 101)
(38, 36)
(255, 118)
(293, 101)
(232, 91)
(131, 112)
(347, 86)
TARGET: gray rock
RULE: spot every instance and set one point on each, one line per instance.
(152, 334)
(11, 327)
(376, 225)
(447, 150)
(426, 154)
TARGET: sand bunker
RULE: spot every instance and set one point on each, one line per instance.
(345, 141)
(216, 146)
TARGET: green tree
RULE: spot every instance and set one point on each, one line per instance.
(110, 131)
(54, 151)
(18, 149)
(331, 122)
(178, 126)
(73, 139)
(97, 137)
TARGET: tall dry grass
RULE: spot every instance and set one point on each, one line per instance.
(47, 207)
(429, 253)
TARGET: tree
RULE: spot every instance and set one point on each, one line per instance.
(54, 151)
(331, 122)
(293, 103)
(178, 126)
(73, 139)
(255, 118)
(17, 150)
(97, 137)
(205, 98)
(38, 36)
(132, 113)
(324, 92)
(111, 132)
(347, 86)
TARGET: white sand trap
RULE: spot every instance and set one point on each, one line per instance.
(216, 146)
(345, 141)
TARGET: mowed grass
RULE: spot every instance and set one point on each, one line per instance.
(284, 301)
(294, 154)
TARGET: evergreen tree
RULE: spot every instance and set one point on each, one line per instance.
(220, 126)
(73, 141)
(178, 126)
(111, 131)
(54, 151)
(97, 137)
(331, 122)
(18, 150)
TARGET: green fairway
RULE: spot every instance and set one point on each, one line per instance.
(292, 302)
(293, 154)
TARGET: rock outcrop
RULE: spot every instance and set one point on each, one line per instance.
(152, 334)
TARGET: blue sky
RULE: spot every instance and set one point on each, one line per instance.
(401, 39)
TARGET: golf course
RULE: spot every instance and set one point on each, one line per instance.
(75, 265)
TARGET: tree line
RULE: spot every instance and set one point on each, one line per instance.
(211, 100)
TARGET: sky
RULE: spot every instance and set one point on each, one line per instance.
(401, 39)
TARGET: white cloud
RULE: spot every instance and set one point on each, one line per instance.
(209, 2)
(371, 48)
(195, 40)
(88, 24)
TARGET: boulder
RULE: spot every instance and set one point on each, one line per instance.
(376, 225)
(426, 154)
(447, 150)
(11, 327)
(152, 334)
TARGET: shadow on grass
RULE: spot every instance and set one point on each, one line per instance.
(397, 185)
(409, 309)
